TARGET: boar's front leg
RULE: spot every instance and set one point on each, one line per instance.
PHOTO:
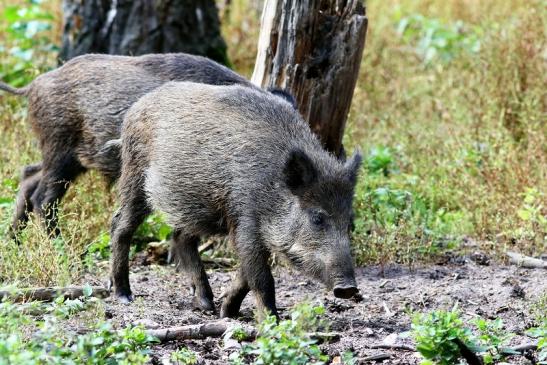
(133, 209)
(187, 256)
(255, 267)
(234, 296)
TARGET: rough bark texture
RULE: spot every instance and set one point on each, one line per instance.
(136, 27)
(313, 48)
(200, 331)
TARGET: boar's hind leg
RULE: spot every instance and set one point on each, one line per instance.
(23, 205)
(133, 209)
(187, 256)
(255, 268)
(234, 296)
(56, 178)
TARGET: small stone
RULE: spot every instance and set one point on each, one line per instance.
(231, 344)
(146, 323)
(480, 258)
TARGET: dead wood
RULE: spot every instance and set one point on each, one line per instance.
(386, 346)
(199, 331)
(218, 329)
(526, 261)
(49, 294)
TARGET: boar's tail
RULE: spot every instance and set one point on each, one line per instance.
(13, 90)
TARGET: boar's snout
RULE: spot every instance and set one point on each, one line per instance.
(345, 291)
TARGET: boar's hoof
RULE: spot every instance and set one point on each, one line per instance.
(203, 304)
(345, 292)
(229, 309)
(124, 298)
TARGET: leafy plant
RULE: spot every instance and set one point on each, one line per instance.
(183, 356)
(380, 160)
(539, 312)
(45, 340)
(433, 39)
(154, 227)
(491, 336)
(435, 334)
(25, 30)
(286, 342)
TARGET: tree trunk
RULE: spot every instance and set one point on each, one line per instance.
(135, 27)
(313, 48)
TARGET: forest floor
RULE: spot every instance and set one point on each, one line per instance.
(383, 316)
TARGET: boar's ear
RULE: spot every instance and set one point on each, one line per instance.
(284, 94)
(352, 166)
(299, 172)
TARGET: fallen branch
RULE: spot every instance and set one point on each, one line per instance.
(386, 346)
(206, 246)
(218, 329)
(199, 331)
(219, 261)
(520, 348)
(526, 261)
(50, 294)
(378, 357)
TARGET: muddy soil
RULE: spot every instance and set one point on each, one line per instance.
(163, 299)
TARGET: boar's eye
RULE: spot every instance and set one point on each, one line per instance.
(318, 219)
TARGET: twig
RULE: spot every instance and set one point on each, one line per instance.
(49, 294)
(378, 357)
(206, 246)
(386, 346)
(520, 348)
(526, 261)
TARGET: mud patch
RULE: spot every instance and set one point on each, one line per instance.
(163, 299)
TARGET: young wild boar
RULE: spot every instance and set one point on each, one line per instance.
(238, 161)
(77, 108)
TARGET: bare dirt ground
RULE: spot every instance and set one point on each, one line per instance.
(163, 300)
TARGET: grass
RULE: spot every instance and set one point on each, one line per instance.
(449, 111)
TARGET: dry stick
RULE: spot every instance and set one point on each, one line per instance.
(206, 246)
(378, 357)
(520, 348)
(218, 329)
(219, 261)
(49, 294)
(526, 261)
(393, 347)
(199, 331)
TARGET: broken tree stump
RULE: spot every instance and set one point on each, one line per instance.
(313, 49)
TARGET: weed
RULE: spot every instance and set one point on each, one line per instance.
(435, 334)
(183, 356)
(491, 336)
(44, 339)
(286, 342)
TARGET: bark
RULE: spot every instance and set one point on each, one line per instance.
(136, 27)
(49, 294)
(313, 48)
(218, 329)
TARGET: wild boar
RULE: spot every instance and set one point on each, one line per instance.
(241, 162)
(76, 109)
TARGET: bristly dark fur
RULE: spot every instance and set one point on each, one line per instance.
(239, 161)
(76, 109)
